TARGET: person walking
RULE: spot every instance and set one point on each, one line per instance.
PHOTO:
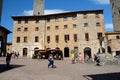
(80, 58)
(51, 61)
(76, 57)
(73, 58)
(8, 59)
(97, 59)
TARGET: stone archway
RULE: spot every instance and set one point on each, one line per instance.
(66, 52)
(36, 48)
(87, 52)
(57, 48)
(109, 50)
(3, 40)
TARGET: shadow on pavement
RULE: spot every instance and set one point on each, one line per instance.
(4, 68)
(107, 76)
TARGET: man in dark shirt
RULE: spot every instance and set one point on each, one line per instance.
(8, 59)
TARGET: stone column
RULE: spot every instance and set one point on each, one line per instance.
(4, 42)
(106, 47)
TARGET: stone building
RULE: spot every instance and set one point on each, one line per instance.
(80, 30)
(113, 38)
(3, 40)
(115, 6)
(113, 42)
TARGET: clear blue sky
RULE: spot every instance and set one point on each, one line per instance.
(25, 7)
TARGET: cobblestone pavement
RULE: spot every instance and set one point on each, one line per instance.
(34, 69)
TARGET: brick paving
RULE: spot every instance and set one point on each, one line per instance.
(34, 69)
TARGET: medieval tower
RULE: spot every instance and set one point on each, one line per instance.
(28, 33)
(115, 6)
(38, 7)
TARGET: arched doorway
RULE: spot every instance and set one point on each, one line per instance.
(66, 52)
(109, 49)
(35, 50)
(57, 48)
(87, 52)
(24, 52)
